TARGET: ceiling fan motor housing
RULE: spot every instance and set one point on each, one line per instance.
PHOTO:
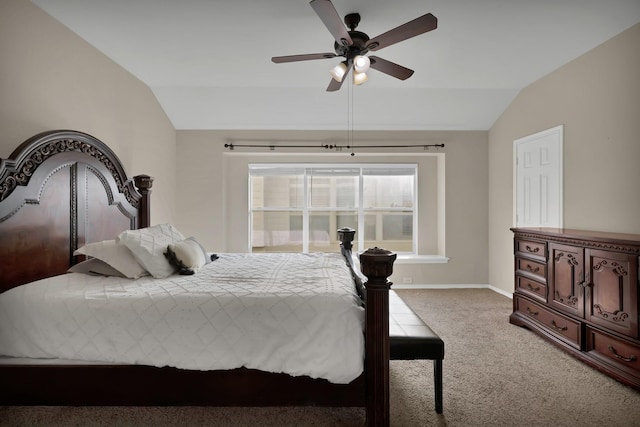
(358, 47)
(359, 39)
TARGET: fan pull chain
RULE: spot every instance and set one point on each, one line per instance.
(351, 116)
(348, 136)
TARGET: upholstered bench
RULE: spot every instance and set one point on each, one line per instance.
(411, 339)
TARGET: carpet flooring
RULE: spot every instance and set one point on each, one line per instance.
(495, 374)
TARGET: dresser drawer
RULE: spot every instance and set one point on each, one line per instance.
(532, 249)
(622, 354)
(533, 269)
(532, 288)
(563, 327)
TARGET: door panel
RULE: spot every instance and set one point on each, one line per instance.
(538, 166)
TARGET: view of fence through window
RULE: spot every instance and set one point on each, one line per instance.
(298, 208)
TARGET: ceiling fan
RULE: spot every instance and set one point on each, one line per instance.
(353, 45)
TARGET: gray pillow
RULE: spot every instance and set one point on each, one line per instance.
(187, 256)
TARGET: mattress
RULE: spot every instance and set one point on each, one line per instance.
(292, 313)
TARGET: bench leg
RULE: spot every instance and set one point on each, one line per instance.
(437, 377)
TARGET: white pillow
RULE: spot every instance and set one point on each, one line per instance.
(116, 255)
(190, 256)
(95, 266)
(148, 246)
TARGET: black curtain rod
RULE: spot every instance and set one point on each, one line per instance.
(329, 146)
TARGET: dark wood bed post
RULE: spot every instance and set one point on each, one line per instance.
(143, 184)
(377, 265)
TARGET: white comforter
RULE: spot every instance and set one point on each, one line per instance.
(292, 313)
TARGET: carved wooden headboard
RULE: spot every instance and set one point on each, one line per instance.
(60, 190)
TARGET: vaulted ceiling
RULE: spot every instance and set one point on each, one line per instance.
(209, 62)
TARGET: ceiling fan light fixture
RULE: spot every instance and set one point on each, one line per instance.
(361, 63)
(359, 78)
(338, 71)
(354, 45)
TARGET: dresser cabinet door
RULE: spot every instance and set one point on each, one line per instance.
(566, 272)
(612, 293)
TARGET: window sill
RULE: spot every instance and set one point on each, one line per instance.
(421, 259)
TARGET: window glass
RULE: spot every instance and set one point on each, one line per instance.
(383, 191)
(277, 191)
(279, 231)
(333, 187)
(320, 239)
(301, 207)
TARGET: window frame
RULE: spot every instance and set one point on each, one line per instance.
(360, 210)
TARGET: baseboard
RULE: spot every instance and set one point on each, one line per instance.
(452, 286)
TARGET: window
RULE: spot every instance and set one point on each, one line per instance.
(298, 208)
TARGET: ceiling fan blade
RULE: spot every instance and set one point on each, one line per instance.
(329, 16)
(413, 28)
(391, 68)
(305, 57)
(335, 85)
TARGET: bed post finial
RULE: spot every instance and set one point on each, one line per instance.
(377, 265)
(346, 236)
(143, 184)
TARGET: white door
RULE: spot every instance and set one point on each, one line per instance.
(538, 170)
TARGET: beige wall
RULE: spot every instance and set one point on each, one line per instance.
(51, 79)
(597, 99)
(215, 179)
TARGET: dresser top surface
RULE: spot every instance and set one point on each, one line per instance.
(633, 239)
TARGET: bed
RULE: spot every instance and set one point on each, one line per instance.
(63, 190)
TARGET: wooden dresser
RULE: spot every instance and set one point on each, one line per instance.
(579, 290)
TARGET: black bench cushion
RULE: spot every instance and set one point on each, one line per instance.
(409, 337)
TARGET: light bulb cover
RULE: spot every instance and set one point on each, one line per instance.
(338, 71)
(361, 63)
(359, 78)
